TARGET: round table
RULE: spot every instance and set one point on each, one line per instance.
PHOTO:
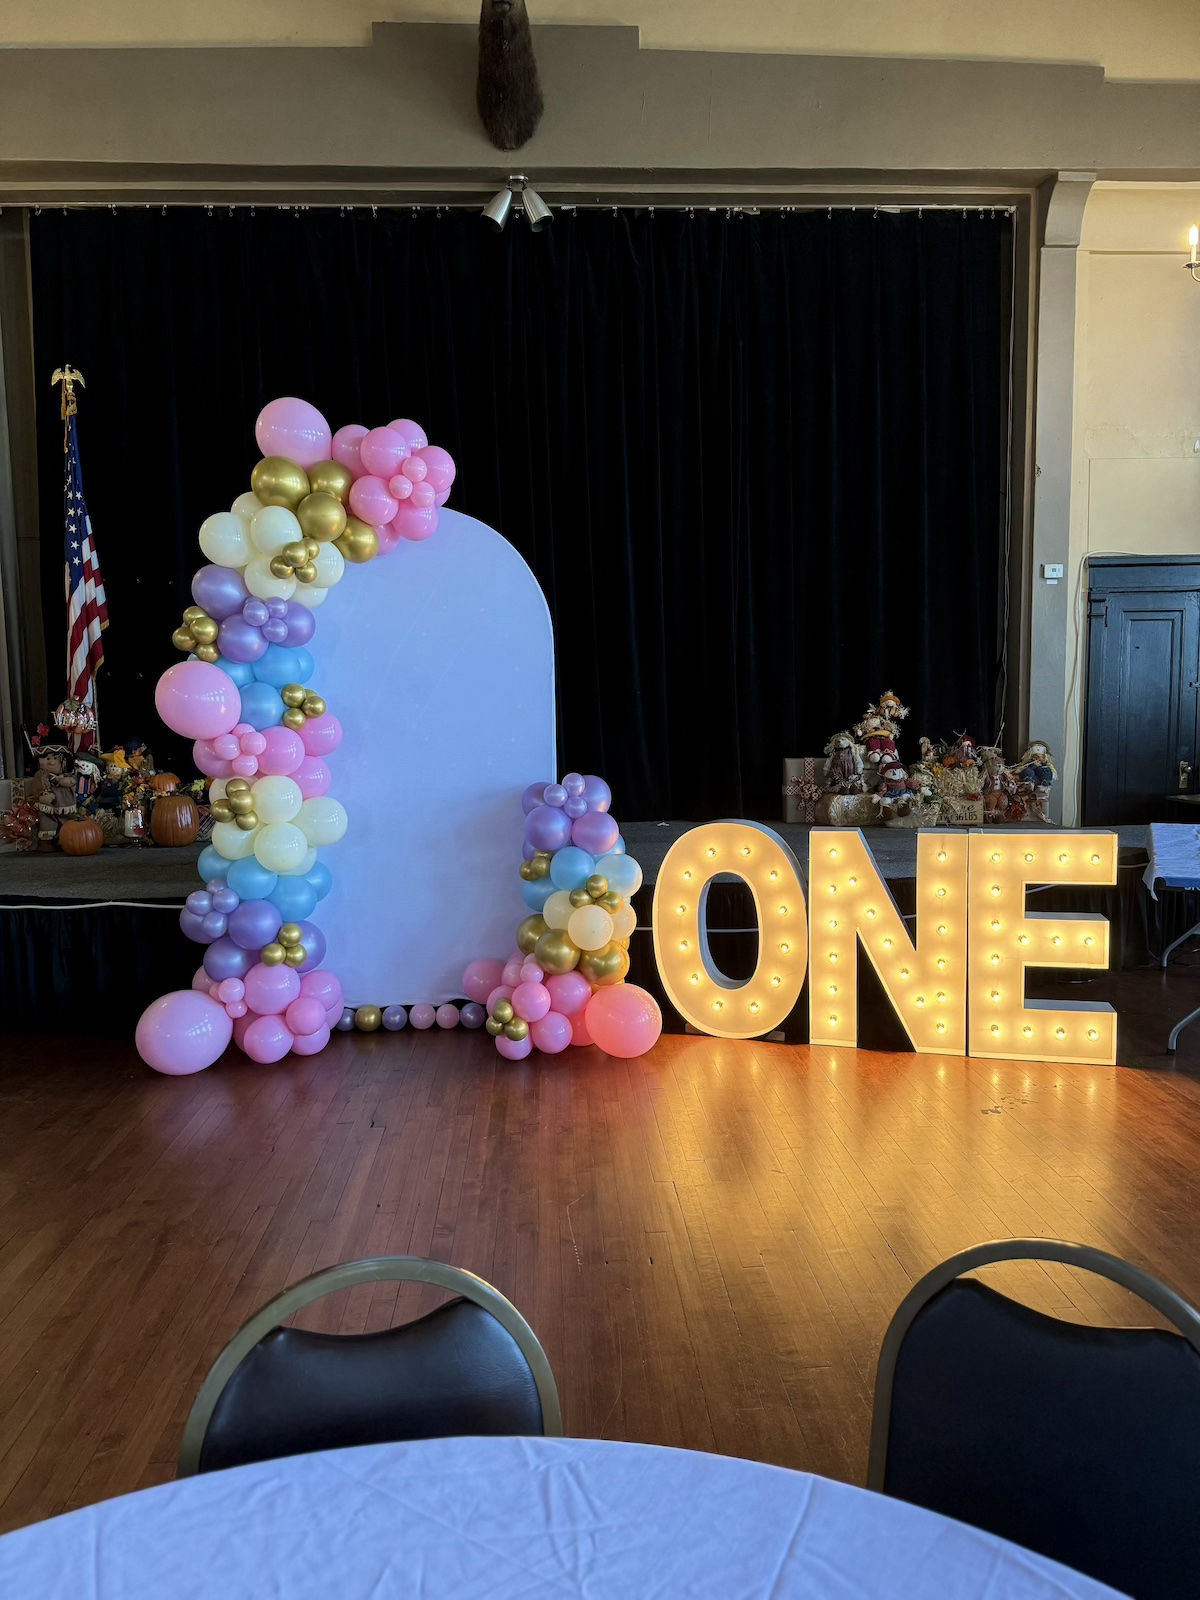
(455, 1519)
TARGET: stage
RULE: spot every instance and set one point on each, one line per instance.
(65, 920)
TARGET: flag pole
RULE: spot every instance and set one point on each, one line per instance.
(66, 377)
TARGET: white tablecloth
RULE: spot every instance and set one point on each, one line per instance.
(1174, 851)
(517, 1519)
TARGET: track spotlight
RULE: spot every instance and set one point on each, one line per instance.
(500, 206)
(537, 213)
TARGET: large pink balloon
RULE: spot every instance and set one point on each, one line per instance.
(311, 1044)
(388, 538)
(371, 500)
(531, 1001)
(323, 986)
(305, 1015)
(183, 1032)
(569, 992)
(313, 777)
(321, 735)
(481, 977)
(282, 754)
(267, 1039)
(198, 700)
(271, 990)
(439, 466)
(412, 432)
(414, 522)
(295, 429)
(345, 447)
(551, 1033)
(624, 1020)
(383, 450)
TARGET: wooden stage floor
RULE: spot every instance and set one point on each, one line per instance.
(709, 1241)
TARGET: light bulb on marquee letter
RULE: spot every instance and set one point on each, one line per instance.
(925, 979)
(1006, 938)
(696, 987)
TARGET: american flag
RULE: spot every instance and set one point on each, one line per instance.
(87, 610)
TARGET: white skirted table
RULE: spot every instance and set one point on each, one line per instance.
(1174, 851)
(518, 1519)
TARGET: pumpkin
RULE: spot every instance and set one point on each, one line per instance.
(174, 820)
(82, 837)
(164, 782)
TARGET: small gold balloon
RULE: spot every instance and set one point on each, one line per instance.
(204, 630)
(281, 568)
(306, 572)
(271, 955)
(222, 811)
(321, 516)
(295, 956)
(313, 706)
(611, 901)
(247, 821)
(604, 967)
(237, 786)
(503, 1011)
(312, 548)
(517, 1029)
(207, 652)
(358, 541)
(183, 639)
(292, 694)
(194, 614)
(493, 1027)
(295, 553)
(526, 871)
(368, 1018)
(293, 719)
(580, 897)
(242, 804)
(529, 932)
(539, 867)
(555, 952)
(279, 482)
(330, 477)
(290, 933)
(596, 886)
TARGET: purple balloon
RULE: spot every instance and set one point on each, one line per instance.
(573, 783)
(301, 624)
(547, 828)
(533, 796)
(199, 902)
(254, 924)
(225, 899)
(220, 590)
(256, 612)
(346, 1021)
(240, 640)
(224, 959)
(596, 833)
(528, 851)
(193, 926)
(472, 1015)
(555, 795)
(277, 607)
(275, 630)
(215, 925)
(394, 1018)
(597, 793)
(313, 941)
(576, 806)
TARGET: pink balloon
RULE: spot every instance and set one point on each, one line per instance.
(271, 990)
(311, 1044)
(400, 487)
(267, 1038)
(295, 429)
(230, 989)
(579, 1032)
(569, 992)
(411, 432)
(210, 764)
(446, 1016)
(244, 766)
(422, 1016)
(182, 1032)
(321, 735)
(414, 469)
(514, 1049)
(225, 747)
(250, 740)
(624, 1020)
(305, 1015)
(422, 497)
(532, 973)
(370, 500)
(388, 539)
(439, 467)
(531, 1001)
(323, 986)
(383, 451)
(236, 1008)
(240, 1026)
(312, 776)
(511, 974)
(502, 991)
(282, 752)
(345, 447)
(197, 700)
(551, 1033)
(414, 522)
(480, 978)
(201, 981)
(332, 1015)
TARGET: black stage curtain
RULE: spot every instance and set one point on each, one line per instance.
(758, 462)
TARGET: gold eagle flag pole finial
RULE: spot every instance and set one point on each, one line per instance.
(68, 377)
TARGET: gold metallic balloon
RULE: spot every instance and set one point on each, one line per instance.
(247, 821)
(540, 866)
(271, 955)
(281, 567)
(222, 811)
(367, 1018)
(295, 554)
(306, 573)
(194, 614)
(516, 1030)
(241, 804)
(313, 706)
(503, 1010)
(207, 652)
(526, 871)
(204, 630)
(494, 1028)
(292, 694)
(358, 541)
(237, 786)
(295, 955)
(580, 897)
(290, 933)
(529, 932)
(321, 516)
(610, 900)
(330, 477)
(604, 967)
(279, 482)
(293, 719)
(555, 952)
(183, 639)
(596, 886)
(312, 548)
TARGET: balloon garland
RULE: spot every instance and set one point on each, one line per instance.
(317, 500)
(565, 983)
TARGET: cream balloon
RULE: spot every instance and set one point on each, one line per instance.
(216, 788)
(330, 565)
(590, 927)
(558, 910)
(624, 922)
(232, 842)
(225, 539)
(306, 863)
(322, 819)
(280, 846)
(274, 526)
(261, 581)
(314, 596)
(247, 505)
(277, 799)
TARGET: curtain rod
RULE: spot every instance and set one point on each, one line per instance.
(344, 207)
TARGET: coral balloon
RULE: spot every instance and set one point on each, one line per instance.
(197, 700)
(579, 1031)
(295, 429)
(624, 1020)
(480, 978)
(183, 1032)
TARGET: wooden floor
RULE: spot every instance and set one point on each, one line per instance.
(709, 1241)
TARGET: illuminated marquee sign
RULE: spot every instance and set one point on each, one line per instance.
(956, 981)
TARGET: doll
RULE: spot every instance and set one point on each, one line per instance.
(844, 767)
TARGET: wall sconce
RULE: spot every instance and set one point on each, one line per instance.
(1193, 262)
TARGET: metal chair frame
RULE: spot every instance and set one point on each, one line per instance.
(348, 1275)
(1183, 1317)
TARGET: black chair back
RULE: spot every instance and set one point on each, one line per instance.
(1081, 1443)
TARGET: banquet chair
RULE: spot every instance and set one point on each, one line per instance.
(1080, 1443)
(471, 1366)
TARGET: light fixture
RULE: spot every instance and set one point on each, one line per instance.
(499, 207)
(1193, 262)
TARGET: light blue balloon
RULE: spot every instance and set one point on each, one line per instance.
(281, 663)
(294, 898)
(619, 848)
(537, 893)
(623, 873)
(250, 879)
(211, 863)
(261, 705)
(320, 878)
(570, 867)
(240, 671)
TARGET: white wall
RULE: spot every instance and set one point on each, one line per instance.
(1135, 460)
